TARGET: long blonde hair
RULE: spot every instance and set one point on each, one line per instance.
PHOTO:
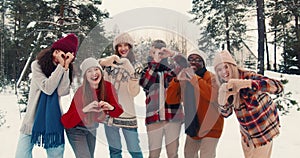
(235, 74)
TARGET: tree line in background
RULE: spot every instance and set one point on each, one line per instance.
(225, 25)
(27, 26)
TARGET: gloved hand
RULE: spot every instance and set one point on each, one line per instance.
(186, 74)
(225, 91)
(109, 61)
(125, 64)
(237, 84)
(138, 68)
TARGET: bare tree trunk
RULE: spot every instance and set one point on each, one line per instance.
(267, 48)
(227, 32)
(261, 35)
(298, 39)
(275, 49)
(2, 44)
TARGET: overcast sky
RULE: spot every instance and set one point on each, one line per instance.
(117, 6)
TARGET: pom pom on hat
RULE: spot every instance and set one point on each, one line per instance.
(223, 57)
(88, 63)
(67, 44)
(123, 38)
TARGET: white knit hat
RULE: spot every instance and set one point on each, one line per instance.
(198, 52)
(123, 38)
(223, 57)
(88, 63)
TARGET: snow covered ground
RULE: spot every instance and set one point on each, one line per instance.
(286, 144)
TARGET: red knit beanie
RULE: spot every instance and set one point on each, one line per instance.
(67, 44)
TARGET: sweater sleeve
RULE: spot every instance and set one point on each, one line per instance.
(173, 92)
(46, 84)
(264, 84)
(64, 85)
(112, 99)
(74, 115)
(226, 110)
(133, 87)
(207, 86)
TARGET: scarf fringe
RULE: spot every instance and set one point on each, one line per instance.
(49, 140)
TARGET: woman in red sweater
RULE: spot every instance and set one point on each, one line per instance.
(94, 99)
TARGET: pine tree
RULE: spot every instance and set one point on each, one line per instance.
(284, 24)
(284, 101)
(223, 20)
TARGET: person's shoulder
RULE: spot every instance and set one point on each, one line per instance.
(209, 73)
(107, 83)
(35, 64)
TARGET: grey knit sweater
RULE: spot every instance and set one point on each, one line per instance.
(59, 79)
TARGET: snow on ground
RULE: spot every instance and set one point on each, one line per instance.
(286, 144)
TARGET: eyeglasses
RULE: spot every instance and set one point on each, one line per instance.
(196, 60)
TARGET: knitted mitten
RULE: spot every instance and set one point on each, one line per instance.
(181, 61)
(109, 61)
(238, 84)
(125, 64)
(224, 92)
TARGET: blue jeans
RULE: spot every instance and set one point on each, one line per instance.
(24, 148)
(114, 141)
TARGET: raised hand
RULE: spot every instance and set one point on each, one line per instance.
(225, 91)
(69, 57)
(59, 57)
(106, 106)
(238, 84)
(125, 64)
(186, 74)
(92, 107)
(109, 61)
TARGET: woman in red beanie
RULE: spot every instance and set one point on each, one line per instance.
(247, 94)
(51, 79)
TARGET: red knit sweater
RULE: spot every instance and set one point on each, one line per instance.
(74, 116)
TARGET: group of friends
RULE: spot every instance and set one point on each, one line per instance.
(178, 89)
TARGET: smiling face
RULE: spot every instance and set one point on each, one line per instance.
(93, 76)
(224, 71)
(196, 62)
(123, 49)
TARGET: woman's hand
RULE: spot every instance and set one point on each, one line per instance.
(109, 61)
(92, 107)
(69, 57)
(59, 57)
(106, 106)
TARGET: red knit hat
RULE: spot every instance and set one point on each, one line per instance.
(67, 44)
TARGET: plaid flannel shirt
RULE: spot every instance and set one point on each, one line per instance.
(150, 82)
(256, 113)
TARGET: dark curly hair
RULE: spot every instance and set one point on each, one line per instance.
(45, 60)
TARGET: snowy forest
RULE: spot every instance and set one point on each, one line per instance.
(27, 26)
(262, 35)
